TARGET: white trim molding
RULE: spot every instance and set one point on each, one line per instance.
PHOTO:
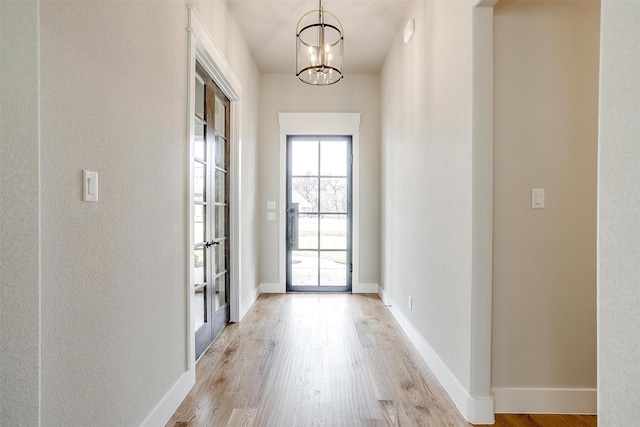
(365, 288)
(202, 47)
(247, 303)
(546, 400)
(474, 410)
(169, 403)
(342, 124)
(480, 406)
(271, 288)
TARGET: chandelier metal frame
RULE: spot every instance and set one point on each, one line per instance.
(319, 39)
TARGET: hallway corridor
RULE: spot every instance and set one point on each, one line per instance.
(315, 360)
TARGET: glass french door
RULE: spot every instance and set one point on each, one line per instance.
(319, 213)
(210, 211)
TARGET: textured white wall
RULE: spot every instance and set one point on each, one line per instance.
(286, 94)
(619, 216)
(114, 306)
(19, 214)
(426, 104)
(113, 294)
(546, 128)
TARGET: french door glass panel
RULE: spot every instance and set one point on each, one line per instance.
(305, 268)
(334, 230)
(304, 158)
(318, 213)
(199, 267)
(308, 231)
(199, 151)
(201, 307)
(198, 224)
(199, 180)
(333, 194)
(332, 268)
(333, 158)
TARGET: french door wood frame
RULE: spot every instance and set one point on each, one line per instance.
(210, 210)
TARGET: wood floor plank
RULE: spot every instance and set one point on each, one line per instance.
(338, 360)
(389, 411)
(242, 418)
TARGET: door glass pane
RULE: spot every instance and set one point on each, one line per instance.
(220, 221)
(304, 192)
(333, 158)
(304, 158)
(333, 232)
(333, 194)
(198, 224)
(220, 152)
(221, 291)
(199, 265)
(220, 196)
(198, 182)
(333, 268)
(200, 98)
(220, 114)
(201, 307)
(220, 255)
(307, 231)
(304, 268)
(198, 144)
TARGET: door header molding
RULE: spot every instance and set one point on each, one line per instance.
(212, 58)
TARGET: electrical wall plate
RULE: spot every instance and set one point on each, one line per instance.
(537, 198)
(89, 186)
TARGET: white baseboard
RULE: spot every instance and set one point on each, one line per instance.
(272, 288)
(545, 401)
(248, 303)
(383, 296)
(480, 410)
(169, 403)
(474, 410)
(364, 288)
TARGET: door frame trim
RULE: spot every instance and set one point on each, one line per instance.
(334, 124)
(202, 47)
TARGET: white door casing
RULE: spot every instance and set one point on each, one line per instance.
(339, 124)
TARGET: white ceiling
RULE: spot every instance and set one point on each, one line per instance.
(270, 29)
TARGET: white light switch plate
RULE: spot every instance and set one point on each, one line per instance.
(271, 216)
(537, 198)
(89, 186)
(271, 204)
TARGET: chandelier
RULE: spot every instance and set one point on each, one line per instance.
(319, 48)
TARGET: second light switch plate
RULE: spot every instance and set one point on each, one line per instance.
(537, 198)
(89, 186)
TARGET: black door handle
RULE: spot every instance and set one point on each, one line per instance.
(211, 243)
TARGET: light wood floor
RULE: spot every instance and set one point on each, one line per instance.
(323, 360)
